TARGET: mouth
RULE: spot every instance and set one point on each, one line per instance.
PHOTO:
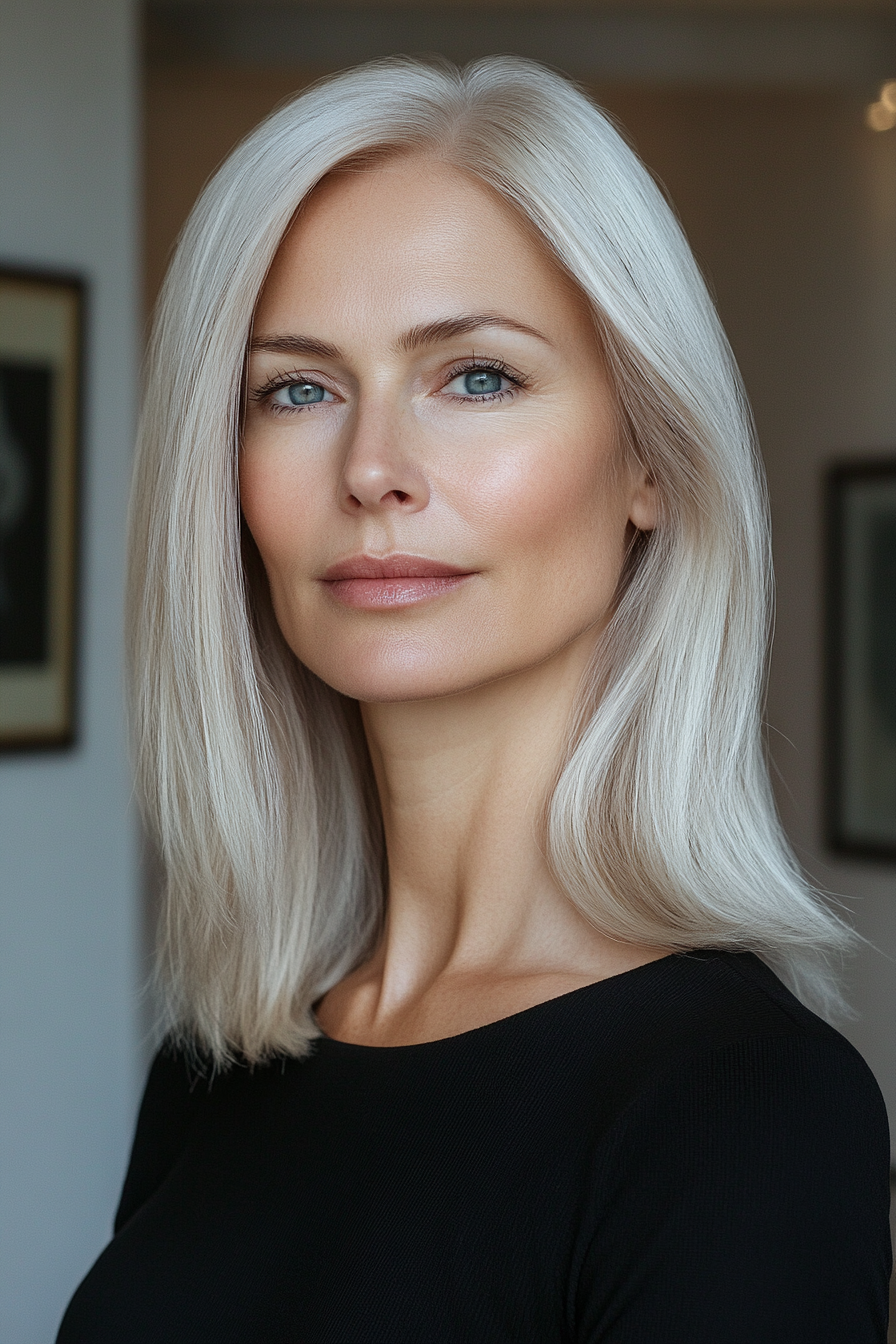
(371, 582)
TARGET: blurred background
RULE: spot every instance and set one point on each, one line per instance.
(753, 114)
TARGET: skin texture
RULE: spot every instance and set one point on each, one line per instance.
(466, 687)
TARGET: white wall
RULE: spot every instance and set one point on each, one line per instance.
(69, 1033)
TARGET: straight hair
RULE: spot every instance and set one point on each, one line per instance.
(254, 774)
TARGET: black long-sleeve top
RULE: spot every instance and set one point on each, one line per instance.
(681, 1154)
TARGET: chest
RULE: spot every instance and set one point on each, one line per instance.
(328, 1205)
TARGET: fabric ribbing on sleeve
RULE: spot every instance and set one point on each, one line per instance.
(738, 1203)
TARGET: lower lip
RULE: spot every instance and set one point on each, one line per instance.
(374, 594)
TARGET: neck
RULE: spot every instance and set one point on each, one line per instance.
(476, 926)
(462, 784)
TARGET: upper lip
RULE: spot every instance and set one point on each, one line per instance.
(390, 567)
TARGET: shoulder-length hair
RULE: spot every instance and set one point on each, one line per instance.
(254, 774)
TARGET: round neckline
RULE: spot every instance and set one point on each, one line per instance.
(563, 998)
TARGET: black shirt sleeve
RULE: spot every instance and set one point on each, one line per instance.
(171, 1098)
(740, 1203)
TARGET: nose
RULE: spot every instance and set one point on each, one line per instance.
(379, 473)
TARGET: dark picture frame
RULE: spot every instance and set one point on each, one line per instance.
(861, 658)
(41, 357)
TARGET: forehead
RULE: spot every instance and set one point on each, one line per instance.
(419, 235)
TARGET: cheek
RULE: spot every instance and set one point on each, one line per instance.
(557, 512)
(276, 506)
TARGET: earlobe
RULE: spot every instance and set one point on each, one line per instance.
(644, 508)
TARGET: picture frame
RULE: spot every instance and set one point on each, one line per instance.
(41, 357)
(861, 658)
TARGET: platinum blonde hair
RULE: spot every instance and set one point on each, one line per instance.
(661, 828)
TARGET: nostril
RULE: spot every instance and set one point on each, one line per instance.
(400, 495)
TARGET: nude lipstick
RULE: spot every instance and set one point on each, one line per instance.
(370, 582)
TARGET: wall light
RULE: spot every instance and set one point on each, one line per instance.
(881, 116)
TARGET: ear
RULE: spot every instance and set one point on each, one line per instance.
(643, 509)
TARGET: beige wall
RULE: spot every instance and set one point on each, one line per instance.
(790, 203)
(193, 115)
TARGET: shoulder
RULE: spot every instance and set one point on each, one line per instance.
(726, 1082)
(704, 1030)
(177, 1084)
(685, 1012)
(744, 1185)
(799, 1109)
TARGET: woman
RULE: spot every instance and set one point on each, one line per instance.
(450, 594)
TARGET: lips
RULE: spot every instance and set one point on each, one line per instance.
(390, 567)
(366, 581)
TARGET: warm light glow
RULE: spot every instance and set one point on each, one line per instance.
(880, 117)
(888, 95)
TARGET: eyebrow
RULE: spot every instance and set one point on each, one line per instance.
(283, 344)
(432, 333)
(427, 333)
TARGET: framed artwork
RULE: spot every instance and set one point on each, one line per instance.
(862, 659)
(40, 373)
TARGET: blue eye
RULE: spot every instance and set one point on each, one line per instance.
(295, 395)
(304, 394)
(482, 382)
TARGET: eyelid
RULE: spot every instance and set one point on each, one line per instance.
(276, 381)
(280, 380)
(474, 362)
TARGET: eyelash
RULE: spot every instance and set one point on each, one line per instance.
(495, 366)
(264, 393)
(280, 380)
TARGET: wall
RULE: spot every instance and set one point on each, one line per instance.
(193, 116)
(69, 1033)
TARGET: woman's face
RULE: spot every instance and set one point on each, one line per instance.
(430, 465)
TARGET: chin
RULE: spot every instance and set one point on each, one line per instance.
(401, 675)
(386, 687)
